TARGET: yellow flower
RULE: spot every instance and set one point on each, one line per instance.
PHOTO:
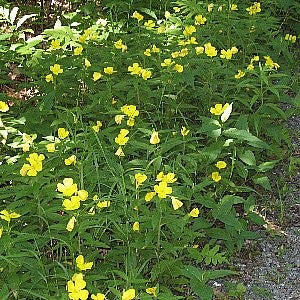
(71, 224)
(254, 9)
(167, 14)
(189, 30)
(70, 160)
(218, 109)
(103, 204)
(135, 69)
(146, 74)
(83, 195)
(176, 9)
(221, 164)
(130, 122)
(3, 106)
(176, 203)
(233, 7)
(140, 179)
(199, 50)
(109, 70)
(289, 37)
(68, 187)
(167, 62)
(62, 133)
(162, 190)
(155, 49)
(200, 20)
(50, 147)
(147, 52)
(128, 295)
(7, 216)
(168, 178)
(149, 24)
(240, 74)
(136, 226)
(178, 68)
(120, 152)
(82, 265)
(122, 138)
(96, 76)
(269, 63)
(56, 69)
(194, 213)
(161, 29)
(1, 231)
(184, 52)
(149, 196)
(130, 110)
(35, 165)
(226, 54)
(184, 131)
(76, 288)
(216, 176)
(99, 296)
(152, 291)
(137, 16)
(87, 63)
(234, 50)
(97, 127)
(119, 119)
(250, 67)
(71, 204)
(210, 50)
(210, 7)
(78, 50)
(118, 44)
(55, 45)
(49, 77)
(175, 54)
(154, 139)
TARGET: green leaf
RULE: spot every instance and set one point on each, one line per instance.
(248, 158)
(264, 182)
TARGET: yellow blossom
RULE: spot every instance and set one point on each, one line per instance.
(130, 110)
(184, 131)
(178, 68)
(216, 176)
(162, 190)
(147, 52)
(55, 45)
(97, 127)
(109, 70)
(221, 164)
(8, 215)
(62, 133)
(146, 74)
(168, 178)
(87, 63)
(70, 160)
(149, 196)
(210, 50)
(76, 288)
(152, 291)
(1, 231)
(49, 77)
(135, 69)
(71, 224)
(71, 204)
(96, 76)
(83, 195)
(137, 16)
(233, 7)
(103, 204)
(250, 67)
(270, 63)
(167, 62)
(78, 50)
(82, 265)
(240, 74)
(194, 212)
(119, 119)
(218, 109)
(128, 295)
(184, 52)
(155, 49)
(176, 203)
(189, 30)
(254, 9)
(149, 24)
(227, 54)
(51, 147)
(175, 54)
(199, 50)
(136, 226)
(161, 29)
(176, 9)
(210, 7)
(122, 138)
(3, 106)
(68, 187)
(289, 37)
(98, 296)
(119, 152)
(140, 179)
(154, 139)
(56, 69)
(200, 20)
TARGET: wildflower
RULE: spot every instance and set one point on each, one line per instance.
(221, 164)
(109, 70)
(226, 54)
(216, 176)
(147, 52)
(210, 7)
(76, 287)
(149, 24)
(184, 52)
(96, 76)
(3, 106)
(130, 110)
(62, 133)
(191, 41)
(200, 20)
(176, 203)
(184, 131)
(103, 204)
(70, 160)
(119, 152)
(97, 127)
(119, 119)
(233, 7)
(83, 195)
(8, 215)
(234, 50)
(146, 74)
(1, 231)
(68, 187)
(50, 147)
(154, 139)
(137, 16)
(87, 63)
(55, 45)
(119, 44)
(176, 9)
(98, 296)
(34, 166)
(162, 190)
(269, 63)
(149, 196)
(56, 69)
(155, 49)
(71, 204)
(128, 295)
(199, 50)
(136, 226)
(189, 30)
(175, 54)
(178, 68)
(152, 291)
(140, 179)
(167, 62)
(49, 77)
(210, 50)
(194, 212)
(78, 50)
(135, 69)
(71, 224)
(218, 109)
(168, 178)
(289, 37)
(240, 74)
(130, 122)
(254, 9)
(82, 265)
(250, 67)
(122, 138)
